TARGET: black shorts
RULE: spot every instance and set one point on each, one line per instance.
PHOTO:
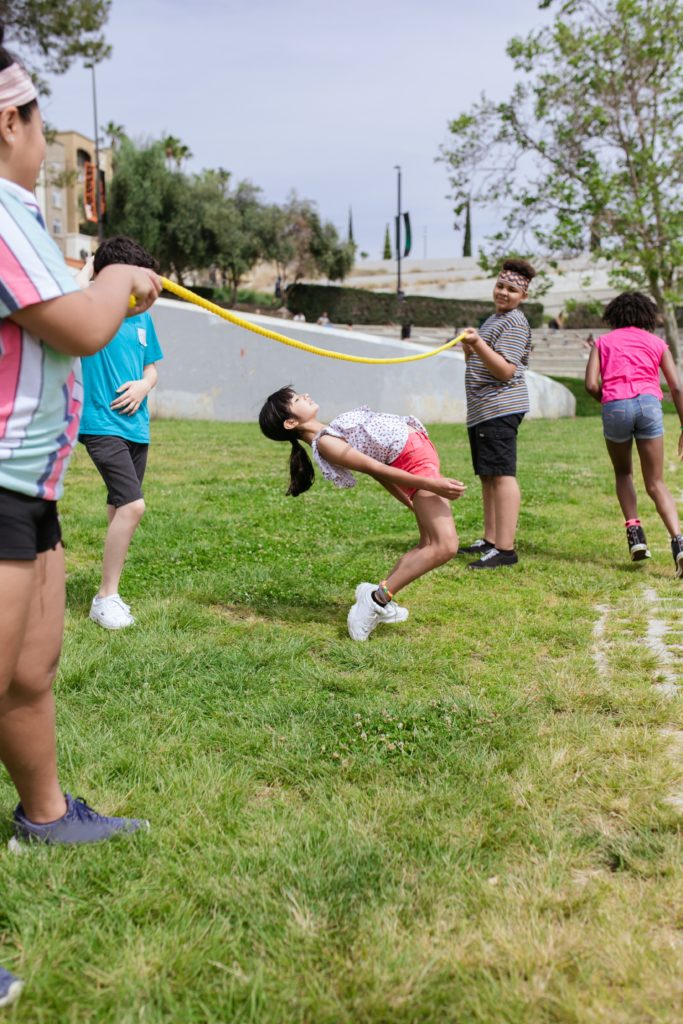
(120, 463)
(493, 444)
(28, 526)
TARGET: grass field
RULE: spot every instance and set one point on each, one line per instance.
(461, 820)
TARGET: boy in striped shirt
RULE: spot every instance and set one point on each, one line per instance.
(497, 399)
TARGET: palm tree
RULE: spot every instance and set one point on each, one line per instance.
(175, 151)
(114, 132)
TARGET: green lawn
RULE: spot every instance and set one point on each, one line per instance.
(458, 821)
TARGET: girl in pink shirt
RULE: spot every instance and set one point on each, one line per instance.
(623, 373)
(395, 451)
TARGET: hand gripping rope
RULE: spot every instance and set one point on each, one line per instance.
(185, 293)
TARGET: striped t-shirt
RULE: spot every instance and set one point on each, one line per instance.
(509, 335)
(40, 389)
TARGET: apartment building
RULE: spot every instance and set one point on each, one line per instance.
(60, 192)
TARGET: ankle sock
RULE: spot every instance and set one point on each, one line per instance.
(632, 522)
(382, 596)
(505, 551)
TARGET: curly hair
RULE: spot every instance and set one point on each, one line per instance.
(121, 249)
(518, 266)
(631, 309)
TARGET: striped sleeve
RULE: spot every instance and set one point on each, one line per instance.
(32, 269)
(513, 342)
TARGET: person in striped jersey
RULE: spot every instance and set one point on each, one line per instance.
(497, 399)
(46, 323)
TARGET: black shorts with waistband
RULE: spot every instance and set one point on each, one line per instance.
(121, 464)
(493, 444)
(28, 526)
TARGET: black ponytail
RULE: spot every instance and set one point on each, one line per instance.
(271, 420)
(26, 110)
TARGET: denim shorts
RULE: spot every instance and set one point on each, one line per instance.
(626, 418)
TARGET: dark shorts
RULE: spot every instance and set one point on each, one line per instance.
(28, 526)
(493, 444)
(120, 463)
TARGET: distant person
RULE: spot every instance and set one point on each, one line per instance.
(300, 317)
(623, 374)
(397, 453)
(589, 341)
(497, 400)
(115, 429)
(553, 324)
(323, 320)
(278, 287)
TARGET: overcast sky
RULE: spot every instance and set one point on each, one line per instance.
(324, 98)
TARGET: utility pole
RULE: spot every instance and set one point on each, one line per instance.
(98, 194)
(398, 233)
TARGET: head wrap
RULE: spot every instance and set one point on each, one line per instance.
(16, 87)
(512, 277)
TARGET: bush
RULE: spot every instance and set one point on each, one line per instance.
(358, 306)
(580, 315)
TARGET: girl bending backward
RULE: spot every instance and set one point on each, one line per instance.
(395, 451)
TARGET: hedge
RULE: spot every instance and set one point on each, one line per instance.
(358, 306)
(583, 315)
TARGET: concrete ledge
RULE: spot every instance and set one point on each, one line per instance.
(215, 370)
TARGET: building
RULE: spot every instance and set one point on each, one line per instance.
(60, 192)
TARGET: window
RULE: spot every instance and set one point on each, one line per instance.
(56, 199)
(56, 226)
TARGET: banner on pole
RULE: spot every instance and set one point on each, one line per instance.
(89, 194)
(409, 237)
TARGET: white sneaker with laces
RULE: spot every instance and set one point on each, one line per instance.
(390, 613)
(111, 612)
(364, 614)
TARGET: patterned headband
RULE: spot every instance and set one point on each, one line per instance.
(16, 87)
(512, 277)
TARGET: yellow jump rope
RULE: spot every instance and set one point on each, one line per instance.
(197, 300)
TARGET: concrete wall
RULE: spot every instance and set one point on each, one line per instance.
(215, 370)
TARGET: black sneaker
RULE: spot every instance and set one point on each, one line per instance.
(677, 552)
(637, 545)
(494, 559)
(477, 547)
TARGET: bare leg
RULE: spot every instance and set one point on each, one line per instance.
(123, 522)
(507, 500)
(438, 540)
(620, 452)
(651, 454)
(31, 629)
(488, 498)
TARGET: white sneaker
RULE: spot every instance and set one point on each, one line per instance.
(364, 614)
(391, 612)
(111, 612)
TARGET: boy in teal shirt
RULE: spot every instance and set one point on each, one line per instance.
(115, 429)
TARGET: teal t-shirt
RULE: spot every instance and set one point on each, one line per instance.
(133, 347)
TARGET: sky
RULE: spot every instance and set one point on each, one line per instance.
(318, 97)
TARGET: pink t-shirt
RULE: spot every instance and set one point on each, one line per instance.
(629, 363)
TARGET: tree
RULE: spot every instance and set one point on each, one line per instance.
(589, 148)
(162, 209)
(49, 35)
(387, 244)
(175, 151)
(302, 245)
(114, 132)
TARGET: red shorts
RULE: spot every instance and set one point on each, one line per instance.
(419, 457)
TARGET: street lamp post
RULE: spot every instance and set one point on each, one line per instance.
(398, 233)
(98, 195)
